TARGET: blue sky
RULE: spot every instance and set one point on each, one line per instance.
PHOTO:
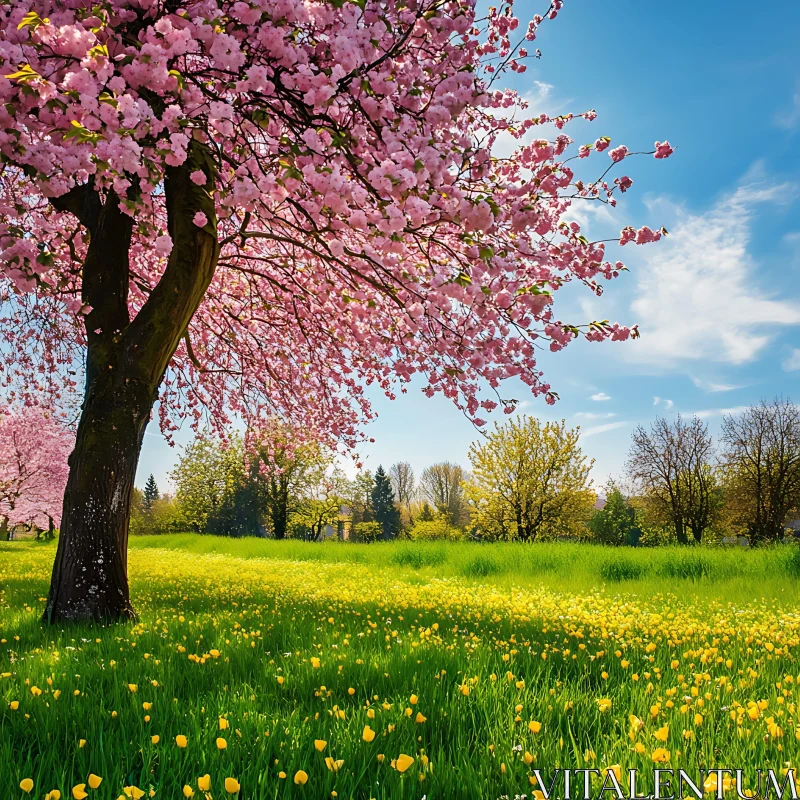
(717, 302)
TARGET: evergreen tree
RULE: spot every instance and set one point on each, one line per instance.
(427, 514)
(386, 512)
(150, 493)
(615, 523)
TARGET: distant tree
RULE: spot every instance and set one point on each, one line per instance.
(529, 480)
(434, 529)
(207, 478)
(615, 523)
(671, 466)
(285, 467)
(367, 532)
(34, 448)
(150, 493)
(383, 505)
(762, 460)
(321, 505)
(427, 514)
(359, 497)
(443, 486)
(403, 484)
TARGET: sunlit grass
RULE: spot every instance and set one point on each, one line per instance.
(478, 663)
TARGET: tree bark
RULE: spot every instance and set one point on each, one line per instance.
(125, 364)
(90, 575)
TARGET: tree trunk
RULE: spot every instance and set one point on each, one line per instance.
(90, 574)
(125, 364)
(5, 531)
(680, 531)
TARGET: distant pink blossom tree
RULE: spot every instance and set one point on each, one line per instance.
(34, 449)
(262, 207)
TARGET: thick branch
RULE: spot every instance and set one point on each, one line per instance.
(152, 338)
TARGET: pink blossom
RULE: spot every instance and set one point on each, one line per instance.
(618, 153)
(663, 150)
(198, 177)
(200, 219)
(163, 245)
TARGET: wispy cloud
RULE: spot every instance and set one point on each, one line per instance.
(660, 401)
(710, 386)
(594, 430)
(707, 413)
(697, 294)
(600, 397)
(792, 362)
(594, 415)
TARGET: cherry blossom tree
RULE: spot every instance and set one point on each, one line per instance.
(260, 208)
(34, 449)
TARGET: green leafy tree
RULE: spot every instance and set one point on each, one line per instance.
(321, 506)
(359, 497)
(383, 505)
(150, 493)
(207, 478)
(435, 529)
(426, 515)
(530, 481)
(367, 532)
(285, 470)
(615, 523)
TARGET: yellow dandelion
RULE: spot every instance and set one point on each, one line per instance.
(181, 740)
(403, 762)
(188, 791)
(221, 743)
(534, 727)
(367, 734)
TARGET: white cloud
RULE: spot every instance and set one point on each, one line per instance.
(594, 430)
(717, 412)
(697, 296)
(710, 386)
(658, 401)
(600, 397)
(792, 363)
(594, 415)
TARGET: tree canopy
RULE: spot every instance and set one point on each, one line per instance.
(258, 208)
(529, 479)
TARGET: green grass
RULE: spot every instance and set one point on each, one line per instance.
(714, 572)
(489, 639)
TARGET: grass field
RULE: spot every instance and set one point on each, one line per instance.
(399, 670)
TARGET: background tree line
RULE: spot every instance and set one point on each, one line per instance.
(528, 480)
